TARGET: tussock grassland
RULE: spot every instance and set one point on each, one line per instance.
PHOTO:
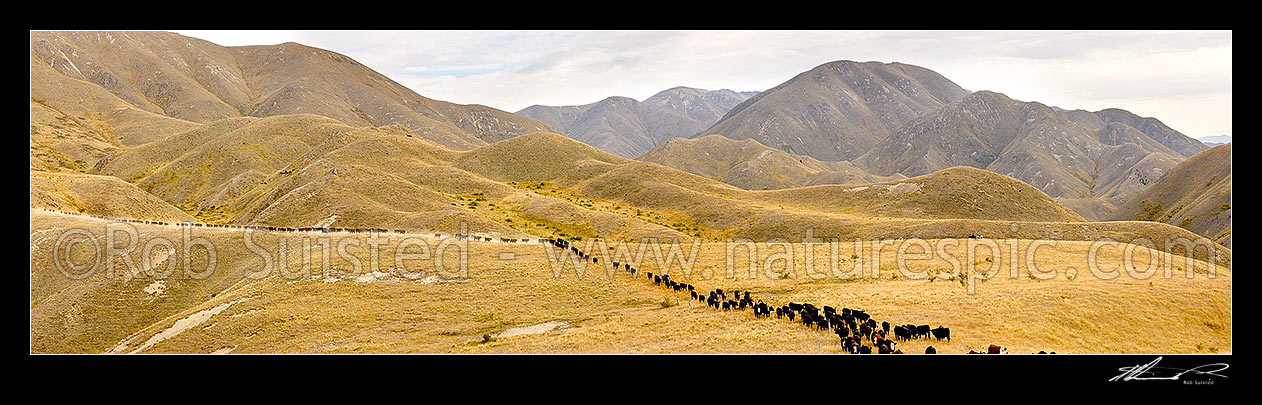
(335, 308)
(751, 165)
(1195, 195)
(100, 195)
(59, 143)
(134, 125)
(107, 116)
(375, 176)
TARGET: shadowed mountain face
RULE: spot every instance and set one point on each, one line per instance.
(838, 110)
(628, 128)
(194, 80)
(1194, 195)
(1034, 143)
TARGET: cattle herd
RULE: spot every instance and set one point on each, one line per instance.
(858, 331)
(302, 229)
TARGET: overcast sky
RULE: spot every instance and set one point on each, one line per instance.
(1182, 78)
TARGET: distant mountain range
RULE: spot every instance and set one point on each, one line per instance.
(629, 128)
(1215, 140)
(1072, 154)
(896, 119)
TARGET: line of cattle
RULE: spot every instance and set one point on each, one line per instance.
(853, 327)
(302, 229)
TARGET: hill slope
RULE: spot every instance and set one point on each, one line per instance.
(1195, 195)
(302, 171)
(838, 110)
(99, 195)
(194, 80)
(753, 166)
(1028, 141)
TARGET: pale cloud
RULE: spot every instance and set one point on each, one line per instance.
(1180, 77)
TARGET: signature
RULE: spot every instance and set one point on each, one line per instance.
(1150, 371)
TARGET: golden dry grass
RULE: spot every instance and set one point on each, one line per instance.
(1195, 195)
(449, 313)
(384, 177)
(99, 195)
(751, 165)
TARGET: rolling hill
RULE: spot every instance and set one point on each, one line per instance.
(1195, 194)
(753, 166)
(304, 170)
(629, 128)
(105, 196)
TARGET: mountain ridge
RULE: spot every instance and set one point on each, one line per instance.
(838, 110)
(629, 128)
(198, 81)
(1045, 147)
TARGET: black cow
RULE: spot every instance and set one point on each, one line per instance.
(931, 350)
(923, 331)
(942, 333)
(901, 333)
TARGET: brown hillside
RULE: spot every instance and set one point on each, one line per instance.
(190, 79)
(1030, 142)
(838, 110)
(1195, 195)
(99, 195)
(753, 166)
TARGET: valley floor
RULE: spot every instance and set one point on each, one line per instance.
(282, 293)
